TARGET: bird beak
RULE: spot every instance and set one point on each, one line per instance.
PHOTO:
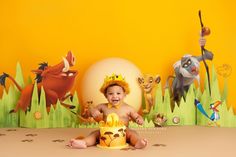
(217, 103)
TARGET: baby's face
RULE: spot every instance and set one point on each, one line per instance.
(115, 94)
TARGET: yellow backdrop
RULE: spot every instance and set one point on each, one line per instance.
(151, 34)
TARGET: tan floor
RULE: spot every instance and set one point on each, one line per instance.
(170, 141)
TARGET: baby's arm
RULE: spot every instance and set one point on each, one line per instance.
(96, 112)
(136, 117)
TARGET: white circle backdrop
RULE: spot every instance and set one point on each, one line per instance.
(94, 77)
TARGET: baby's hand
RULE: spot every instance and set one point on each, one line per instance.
(96, 114)
(139, 120)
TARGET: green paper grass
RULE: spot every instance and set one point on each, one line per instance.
(62, 117)
(58, 117)
(187, 112)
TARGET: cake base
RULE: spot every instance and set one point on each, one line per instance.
(117, 147)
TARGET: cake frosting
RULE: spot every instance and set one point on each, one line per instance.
(112, 133)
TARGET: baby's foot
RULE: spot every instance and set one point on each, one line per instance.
(141, 143)
(80, 144)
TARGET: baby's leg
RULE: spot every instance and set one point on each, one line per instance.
(135, 140)
(90, 140)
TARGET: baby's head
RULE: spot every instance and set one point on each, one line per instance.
(115, 89)
(115, 94)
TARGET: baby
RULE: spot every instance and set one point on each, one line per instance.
(114, 89)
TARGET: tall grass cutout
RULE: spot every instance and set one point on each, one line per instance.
(59, 116)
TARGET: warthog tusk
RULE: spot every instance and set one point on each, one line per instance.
(66, 65)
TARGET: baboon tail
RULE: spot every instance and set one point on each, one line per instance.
(167, 85)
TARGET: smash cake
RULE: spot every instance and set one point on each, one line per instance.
(112, 133)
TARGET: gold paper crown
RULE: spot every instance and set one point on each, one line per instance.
(115, 79)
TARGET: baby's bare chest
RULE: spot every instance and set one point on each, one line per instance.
(122, 112)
